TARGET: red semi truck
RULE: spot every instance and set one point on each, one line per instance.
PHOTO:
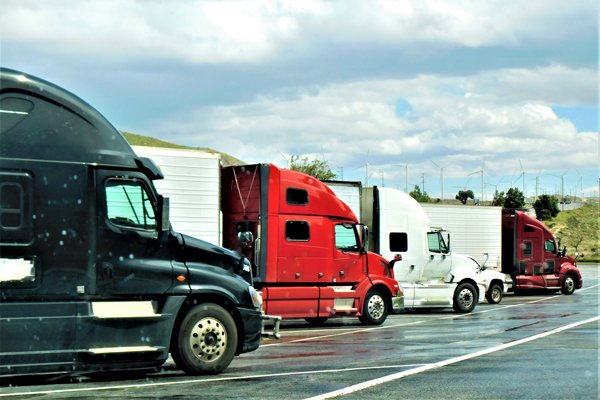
(306, 246)
(531, 255)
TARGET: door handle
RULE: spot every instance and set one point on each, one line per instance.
(107, 270)
(342, 273)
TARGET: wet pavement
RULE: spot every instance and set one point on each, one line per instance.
(527, 347)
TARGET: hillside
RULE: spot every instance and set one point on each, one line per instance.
(578, 230)
(140, 140)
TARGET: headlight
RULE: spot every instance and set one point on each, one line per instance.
(256, 298)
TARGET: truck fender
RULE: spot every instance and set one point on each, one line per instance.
(378, 284)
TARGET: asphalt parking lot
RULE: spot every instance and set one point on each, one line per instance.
(527, 347)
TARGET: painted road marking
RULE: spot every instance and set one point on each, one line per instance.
(350, 331)
(208, 380)
(419, 367)
(454, 360)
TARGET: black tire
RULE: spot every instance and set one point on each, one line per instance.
(375, 309)
(568, 285)
(494, 293)
(206, 340)
(316, 320)
(465, 298)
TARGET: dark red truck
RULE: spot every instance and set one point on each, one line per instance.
(531, 255)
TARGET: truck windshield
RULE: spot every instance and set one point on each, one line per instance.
(128, 205)
(345, 238)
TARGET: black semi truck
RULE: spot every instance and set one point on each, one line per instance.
(92, 277)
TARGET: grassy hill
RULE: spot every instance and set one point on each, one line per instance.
(579, 228)
(139, 140)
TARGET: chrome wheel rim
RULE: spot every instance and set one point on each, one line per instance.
(496, 294)
(569, 284)
(465, 299)
(376, 306)
(208, 339)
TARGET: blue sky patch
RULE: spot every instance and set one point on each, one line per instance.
(585, 119)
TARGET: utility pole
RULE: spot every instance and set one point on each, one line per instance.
(441, 179)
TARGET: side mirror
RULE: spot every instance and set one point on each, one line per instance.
(245, 238)
(363, 236)
(163, 217)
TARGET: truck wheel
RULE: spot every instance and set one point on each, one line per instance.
(494, 294)
(375, 309)
(316, 320)
(206, 340)
(465, 298)
(568, 286)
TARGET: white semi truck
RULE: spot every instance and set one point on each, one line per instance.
(431, 274)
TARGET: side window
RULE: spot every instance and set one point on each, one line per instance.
(529, 229)
(526, 249)
(345, 238)
(297, 231)
(128, 205)
(16, 216)
(436, 243)
(297, 197)
(398, 241)
(550, 246)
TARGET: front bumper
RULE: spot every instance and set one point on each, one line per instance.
(398, 303)
(253, 325)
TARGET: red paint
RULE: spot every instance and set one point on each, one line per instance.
(531, 254)
(296, 264)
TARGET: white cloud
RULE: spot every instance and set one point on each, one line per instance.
(253, 30)
(346, 121)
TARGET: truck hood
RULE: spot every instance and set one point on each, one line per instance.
(199, 254)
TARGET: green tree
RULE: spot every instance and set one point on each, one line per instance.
(499, 199)
(514, 199)
(465, 195)
(546, 207)
(421, 197)
(577, 231)
(320, 169)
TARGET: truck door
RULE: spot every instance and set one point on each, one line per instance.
(349, 264)
(549, 267)
(531, 258)
(439, 262)
(131, 258)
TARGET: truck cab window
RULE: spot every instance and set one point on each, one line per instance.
(297, 231)
(345, 238)
(128, 205)
(550, 246)
(436, 243)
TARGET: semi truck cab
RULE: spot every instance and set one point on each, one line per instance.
(92, 277)
(531, 255)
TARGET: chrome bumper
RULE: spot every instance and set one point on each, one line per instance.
(398, 303)
(271, 319)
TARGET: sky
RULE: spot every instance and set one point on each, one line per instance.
(447, 95)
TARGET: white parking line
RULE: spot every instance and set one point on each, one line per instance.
(415, 368)
(206, 380)
(350, 331)
(427, 367)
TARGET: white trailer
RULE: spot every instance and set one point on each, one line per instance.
(192, 183)
(476, 230)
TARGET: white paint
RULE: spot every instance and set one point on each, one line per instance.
(16, 269)
(420, 368)
(454, 360)
(123, 309)
(130, 349)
